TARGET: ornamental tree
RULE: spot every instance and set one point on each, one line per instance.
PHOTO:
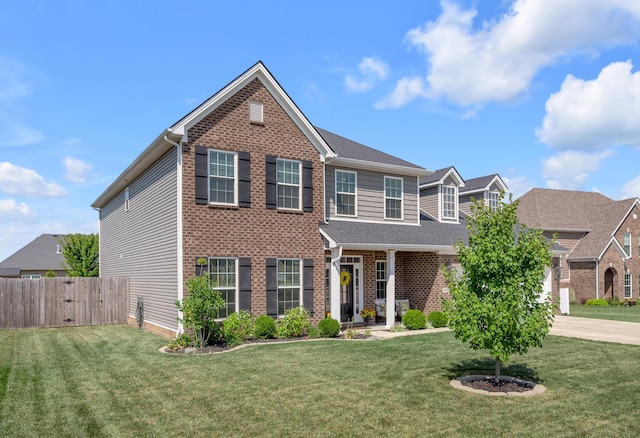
(496, 303)
(80, 252)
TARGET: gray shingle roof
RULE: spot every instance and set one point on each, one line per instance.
(40, 254)
(436, 176)
(430, 233)
(478, 184)
(346, 148)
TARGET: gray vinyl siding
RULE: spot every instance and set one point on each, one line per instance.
(370, 202)
(429, 201)
(466, 202)
(142, 243)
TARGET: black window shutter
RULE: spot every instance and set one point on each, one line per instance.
(307, 186)
(272, 189)
(244, 179)
(202, 175)
(245, 283)
(307, 287)
(272, 287)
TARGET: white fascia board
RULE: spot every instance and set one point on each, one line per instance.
(378, 167)
(257, 71)
(635, 203)
(441, 249)
(617, 246)
(332, 243)
(451, 172)
(496, 179)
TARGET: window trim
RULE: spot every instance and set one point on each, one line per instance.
(279, 184)
(382, 280)
(491, 200)
(236, 288)
(629, 286)
(455, 202)
(354, 194)
(401, 199)
(30, 277)
(625, 244)
(299, 286)
(235, 177)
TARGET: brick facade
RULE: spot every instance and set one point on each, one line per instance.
(256, 232)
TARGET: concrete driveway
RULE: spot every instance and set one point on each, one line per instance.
(596, 329)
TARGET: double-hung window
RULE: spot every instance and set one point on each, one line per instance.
(392, 197)
(449, 201)
(345, 193)
(627, 285)
(492, 200)
(627, 244)
(222, 177)
(288, 180)
(289, 285)
(381, 279)
(223, 275)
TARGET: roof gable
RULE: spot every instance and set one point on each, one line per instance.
(440, 176)
(483, 183)
(40, 254)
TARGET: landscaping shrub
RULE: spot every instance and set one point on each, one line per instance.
(294, 324)
(615, 301)
(414, 319)
(313, 332)
(265, 327)
(437, 319)
(329, 328)
(181, 341)
(596, 302)
(238, 327)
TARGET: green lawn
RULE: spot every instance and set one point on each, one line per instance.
(617, 313)
(111, 381)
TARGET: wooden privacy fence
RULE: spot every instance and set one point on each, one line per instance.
(63, 301)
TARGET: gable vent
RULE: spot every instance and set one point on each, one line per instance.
(255, 112)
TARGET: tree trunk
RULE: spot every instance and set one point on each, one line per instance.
(497, 369)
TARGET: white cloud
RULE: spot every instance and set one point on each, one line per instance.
(631, 189)
(497, 61)
(406, 90)
(16, 180)
(10, 209)
(76, 170)
(597, 113)
(569, 170)
(518, 186)
(372, 69)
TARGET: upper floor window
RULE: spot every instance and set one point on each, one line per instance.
(627, 244)
(222, 177)
(345, 193)
(392, 197)
(222, 272)
(288, 184)
(449, 202)
(492, 200)
(289, 284)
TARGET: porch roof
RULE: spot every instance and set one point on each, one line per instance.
(430, 235)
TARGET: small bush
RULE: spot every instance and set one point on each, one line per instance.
(414, 319)
(313, 332)
(238, 327)
(265, 327)
(329, 328)
(294, 324)
(596, 302)
(615, 301)
(180, 342)
(397, 327)
(437, 319)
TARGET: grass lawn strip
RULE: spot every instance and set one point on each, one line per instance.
(615, 313)
(112, 381)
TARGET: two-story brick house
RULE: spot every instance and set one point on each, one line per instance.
(602, 237)
(278, 209)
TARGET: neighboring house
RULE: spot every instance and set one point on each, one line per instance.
(35, 259)
(279, 209)
(601, 235)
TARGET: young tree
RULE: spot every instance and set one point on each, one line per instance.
(80, 252)
(496, 303)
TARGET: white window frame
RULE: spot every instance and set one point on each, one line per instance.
(627, 243)
(297, 185)
(444, 194)
(492, 200)
(401, 198)
(289, 286)
(127, 203)
(354, 194)
(234, 178)
(31, 277)
(220, 289)
(380, 281)
(628, 286)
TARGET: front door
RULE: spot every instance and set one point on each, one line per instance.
(346, 293)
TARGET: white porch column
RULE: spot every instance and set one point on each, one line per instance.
(390, 309)
(334, 283)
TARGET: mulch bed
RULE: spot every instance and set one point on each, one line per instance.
(504, 384)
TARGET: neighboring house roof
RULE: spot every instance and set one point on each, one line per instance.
(41, 254)
(430, 235)
(10, 272)
(565, 210)
(483, 183)
(440, 175)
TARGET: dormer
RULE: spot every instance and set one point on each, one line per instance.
(486, 188)
(439, 193)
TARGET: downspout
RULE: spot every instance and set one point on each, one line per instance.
(180, 269)
(597, 278)
(99, 240)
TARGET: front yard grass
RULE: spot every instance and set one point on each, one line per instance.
(112, 381)
(616, 313)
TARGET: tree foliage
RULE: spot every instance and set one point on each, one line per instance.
(496, 302)
(80, 252)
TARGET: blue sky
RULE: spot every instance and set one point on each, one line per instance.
(547, 94)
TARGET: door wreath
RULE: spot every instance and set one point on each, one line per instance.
(345, 278)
